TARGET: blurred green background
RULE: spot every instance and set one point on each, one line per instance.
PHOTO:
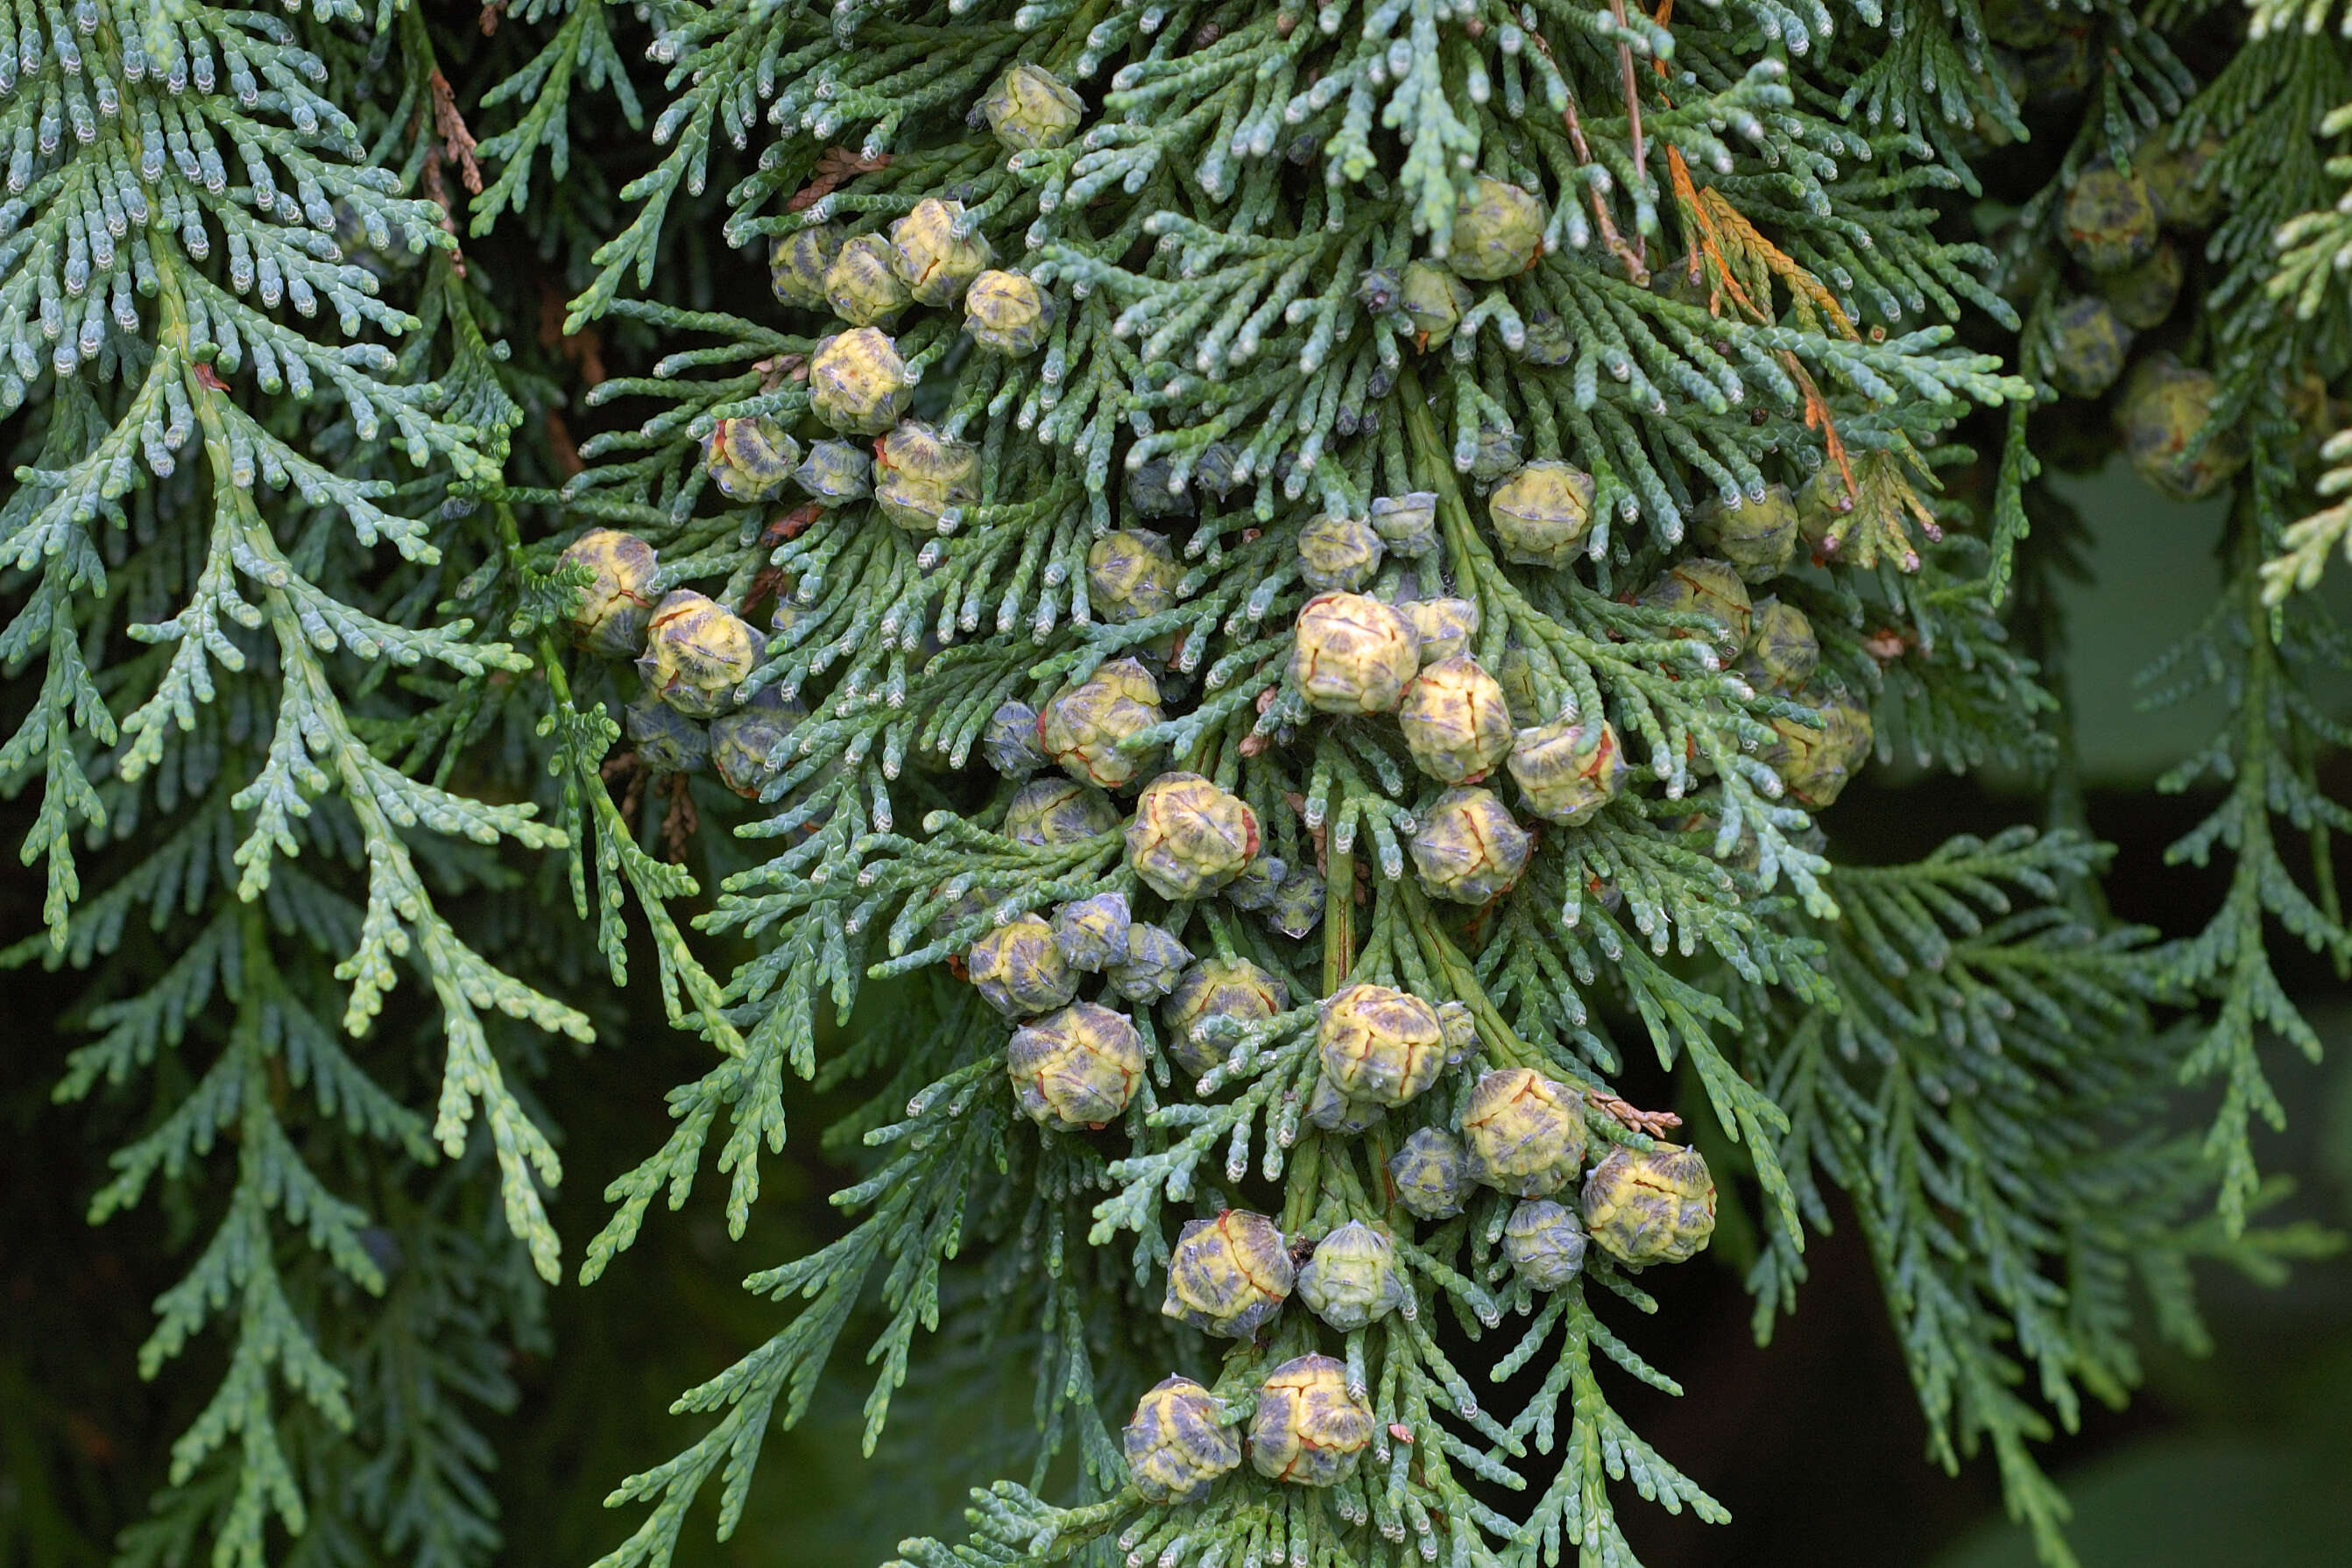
(2242, 1458)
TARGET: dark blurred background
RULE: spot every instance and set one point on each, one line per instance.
(1814, 1442)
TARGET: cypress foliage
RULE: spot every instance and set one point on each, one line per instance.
(936, 527)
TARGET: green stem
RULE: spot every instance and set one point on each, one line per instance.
(1338, 917)
(671, 947)
(1433, 466)
(1306, 1181)
(1074, 34)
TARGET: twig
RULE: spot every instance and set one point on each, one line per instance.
(679, 820)
(627, 767)
(1633, 124)
(1255, 742)
(778, 369)
(791, 525)
(833, 165)
(1609, 237)
(442, 128)
(449, 125)
(1649, 1124)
